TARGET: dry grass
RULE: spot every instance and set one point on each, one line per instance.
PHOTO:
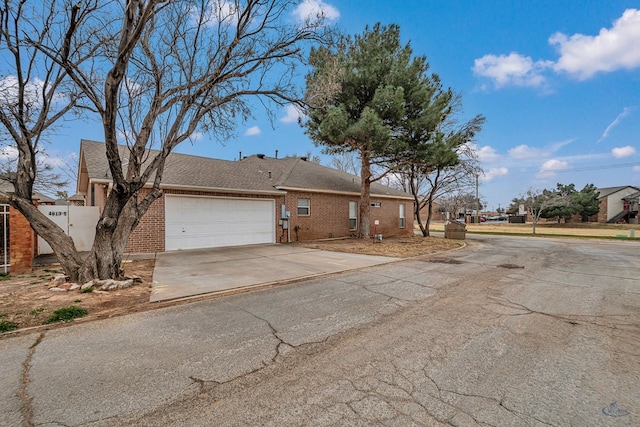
(578, 229)
(397, 247)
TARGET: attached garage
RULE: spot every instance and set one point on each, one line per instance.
(193, 222)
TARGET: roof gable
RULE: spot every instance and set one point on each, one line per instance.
(607, 191)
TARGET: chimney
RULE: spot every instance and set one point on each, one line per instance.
(276, 154)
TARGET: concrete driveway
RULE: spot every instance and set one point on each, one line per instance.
(180, 274)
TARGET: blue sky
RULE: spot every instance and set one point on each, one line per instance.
(558, 82)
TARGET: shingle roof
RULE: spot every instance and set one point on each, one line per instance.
(253, 173)
(6, 187)
(604, 192)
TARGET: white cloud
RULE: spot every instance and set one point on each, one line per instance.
(512, 70)
(625, 112)
(292, 114)
(487, 154)
(217, 12)
(612, 49)
(32, 91)
(494, 173)
(252, 131)
(622, 152)
(550, 167)
(196, 136)
(9, 152)
(525, 152)
(636, 169)
(316, 11)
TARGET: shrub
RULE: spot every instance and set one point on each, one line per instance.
(66, 314)
(6, 326)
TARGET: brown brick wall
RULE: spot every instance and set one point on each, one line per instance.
(329, 216)
(149, 236)
(602, 214)
(22, 240)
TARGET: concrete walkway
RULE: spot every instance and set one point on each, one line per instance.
(180, 274)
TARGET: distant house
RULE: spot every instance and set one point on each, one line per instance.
(6, 189)
(210, 202)
(619, 204)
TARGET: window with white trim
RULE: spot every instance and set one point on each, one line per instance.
(376, 204)
(403, 220)
(353, 215)
(304, 207)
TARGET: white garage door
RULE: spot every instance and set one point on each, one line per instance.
(193, 222)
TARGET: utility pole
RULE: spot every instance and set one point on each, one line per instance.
(477, 202)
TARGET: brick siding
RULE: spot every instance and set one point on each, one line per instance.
(22, 240)
(149, 236)
(602, 214)
(329, 216)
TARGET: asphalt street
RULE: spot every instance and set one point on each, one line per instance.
(506, 332)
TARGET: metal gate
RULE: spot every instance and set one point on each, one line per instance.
(4, 238)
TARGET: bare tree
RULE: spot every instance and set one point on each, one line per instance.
(155, 72)
(536, 202)
(37, 94)
(346, 162)
(434, 180)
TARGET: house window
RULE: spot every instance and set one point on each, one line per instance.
(403, 221)
(353, 215)
(304, 206)
(376, 204)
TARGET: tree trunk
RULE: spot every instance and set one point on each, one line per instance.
(365, 195)
(425, 233)
(119, 218)
(416, 209)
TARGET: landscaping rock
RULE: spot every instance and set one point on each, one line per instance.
(112, 285)
(59, 280)
(87, 285)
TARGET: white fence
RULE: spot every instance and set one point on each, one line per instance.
(79, 222)
(4, 248)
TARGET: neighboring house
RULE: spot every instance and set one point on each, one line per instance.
(6, 189)
(619, 204)
(209, 202)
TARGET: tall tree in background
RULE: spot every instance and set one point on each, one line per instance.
(356, 98)
(156, 72)
(586, 201)
(563, 210)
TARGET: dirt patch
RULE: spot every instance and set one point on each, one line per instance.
(26, 301)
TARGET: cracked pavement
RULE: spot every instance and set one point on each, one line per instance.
(507, 332)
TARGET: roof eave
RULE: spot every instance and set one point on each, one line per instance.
(344, 193)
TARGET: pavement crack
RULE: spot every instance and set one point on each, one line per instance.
(573, 320)
(27, 410)
(274, 332)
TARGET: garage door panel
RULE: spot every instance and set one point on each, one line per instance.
(204, 222)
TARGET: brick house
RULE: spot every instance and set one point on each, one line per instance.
(210, 202)
(19, 243)
(618, 204)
